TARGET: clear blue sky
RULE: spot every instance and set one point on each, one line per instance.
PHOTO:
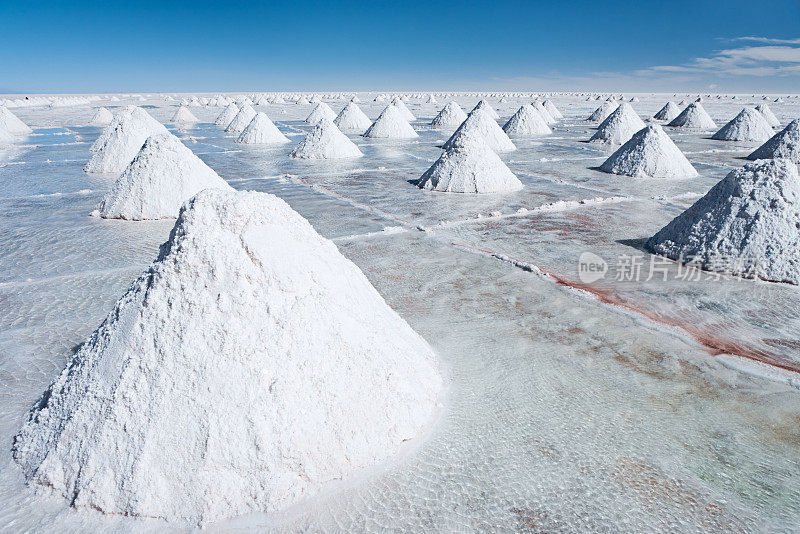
(727, 45)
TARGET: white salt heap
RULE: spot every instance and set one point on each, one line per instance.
(12, 124)
(261, 131)
(450, 115)
(399, 104)
(247, 368)
(325, 141)
(227, 115)
(784, 144)
(769, 116)
(479, 122)
(102, 117)
(748, 224)
(485, 106)
(6, 137)
(748, 125)
(320, 111)
(668, 112)
(650, 153)
(538, 106)
(183, 116)
(391, 124)
(618, 127)
(694, 116)
(242, 119)
(600, 114)
(162, 176)
(527, 121)
(352, 119)
(121, 140)
(552, 109)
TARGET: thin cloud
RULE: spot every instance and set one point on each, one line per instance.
(767, 40)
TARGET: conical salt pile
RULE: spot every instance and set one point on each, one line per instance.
(618, 127)
(650, 153)
(162, 176)
(748, 125)
(12, 124)
(749, 223)
(552, 109)
(325, 141)
(320, 111)
(470, 166)
(600, 114)
(102, 117)
(668, 112)
(352, 119)
(784, 144)
(183, 116)
(525, 122)
(227, 115)
(248, 367)
(484, 105)
(770, 117)
(390, 124)
(450, 115)
(432, 100)
(121, 140)
(399, 104)
(242, 119)
(261, 131)
(538, 106)
(479, 122)
(694, 116)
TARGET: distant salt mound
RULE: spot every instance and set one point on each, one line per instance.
(527, 122)
(480, 123)
(601, 113)
(770, 117)
(227, 115)
(162, 176)
(320, 111)
(748, 224)
(485, 106)
(12, 124)
(391, 124)
(450, 115)
(261, 131)
(748, 125)
(650, 153)
(399, 104)
(668, 112)
(552, 109)
(694, 117)
(432, 100)
(183, 116)
(248, 367)
(325, 141)
(242, 119)
(618, 127)
(470, 166)
(102, 117)
(121, 140)
(352, 119)
(784, 144)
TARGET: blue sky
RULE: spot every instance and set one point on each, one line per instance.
(730, 45)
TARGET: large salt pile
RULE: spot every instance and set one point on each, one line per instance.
(784, 144)
(481, 123)
(694, 116)
(183, 116)
(748, 224)
(769, 116)
(261, 131)
(121, 140)
(650, 153)
(227, 115)
(470, 166)
(668, 112)
(485, 106)
(352, 119)
(325, 141)
(320, 111)
(399, 104)
(242, 119)
(600, 114)
(248, 367)
(450, 115)
(552, 109)
(162, 176)
(748, 125)
(391, 124)
(538, 106)
(12, 124)
(102, 117)
(618, 127)
(525, 122)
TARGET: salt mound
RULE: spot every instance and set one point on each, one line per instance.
(552, 110)
(227, 115)
(352, 119)
(325, 141)
(470, 166)
(261, 131)
(668, 112)
(432, 100)
(650, 153)
(527, 121)
(399, 104)
(694, 116)
(770, 117)
(600, 114)
(248, 367)
(183, 115)
(538, 106)
(162, 176)
(484, 105)
(748, 125)
(6, 138)
(320, 111)
(450, 115)
(784, 144)
(11, 123)
(102, 117)
(480, 123)
(390, 124)
(242, 119)
(121, 140)
(749, 223)
(618, 127)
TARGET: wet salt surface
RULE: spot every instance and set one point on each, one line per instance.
(568, 411)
